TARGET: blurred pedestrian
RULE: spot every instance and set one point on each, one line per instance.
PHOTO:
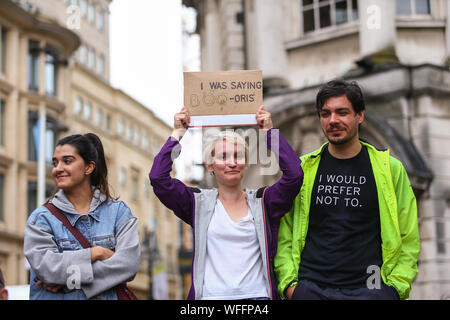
(3, 290)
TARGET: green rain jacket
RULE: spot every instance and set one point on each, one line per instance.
(398, 221)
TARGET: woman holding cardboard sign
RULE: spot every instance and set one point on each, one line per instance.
(235, 230)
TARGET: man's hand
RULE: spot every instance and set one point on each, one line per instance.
(290, 292)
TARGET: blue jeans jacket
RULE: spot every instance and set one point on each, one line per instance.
(57, 258)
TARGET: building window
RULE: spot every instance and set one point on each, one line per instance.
(413, 7)
(78, 106)
(100, 20)
(2, 122)
(91, 59)
(3, 50)
(2, 182)
(130, 132)
(138, 137)
(108, 122)
(83, 54)
(33, 137)
(91, 12)
(51, 71)
(319, 14)
(99, 117)
(33, 65)
(100, 64)
(135, 188)
(75, 3)
(32, 195)
(121, 127)
(147, 189)
(88, 110)
(84, 8)
(145, 142)
(123, 177)
(440, 236)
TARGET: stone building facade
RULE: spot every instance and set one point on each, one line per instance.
(398, 51)
(54, 58)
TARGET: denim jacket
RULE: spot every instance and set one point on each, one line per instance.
(56, 257)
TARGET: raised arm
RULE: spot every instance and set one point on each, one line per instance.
(174, 194)
(280, 196)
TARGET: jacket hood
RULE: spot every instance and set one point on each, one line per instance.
(62, 203)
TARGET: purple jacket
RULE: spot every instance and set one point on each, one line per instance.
(196, 206)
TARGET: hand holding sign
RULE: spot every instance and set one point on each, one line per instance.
(263, 119)
(223, 98)
(181, 122)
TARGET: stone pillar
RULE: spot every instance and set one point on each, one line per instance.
(378, 30)
(447, 31)
(232, 34)
(265, 41)
(211, 53)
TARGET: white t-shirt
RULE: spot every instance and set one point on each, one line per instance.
(233, 268)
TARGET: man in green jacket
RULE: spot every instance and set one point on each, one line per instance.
(352, 232)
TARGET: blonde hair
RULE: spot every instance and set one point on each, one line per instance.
(228, 136)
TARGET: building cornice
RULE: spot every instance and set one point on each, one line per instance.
(51, 102)
(352, 28)
(323, 35)
(411, 80)
(35, 22)
(11, 235)
(5, 87)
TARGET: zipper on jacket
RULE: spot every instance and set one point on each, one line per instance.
(267, 246)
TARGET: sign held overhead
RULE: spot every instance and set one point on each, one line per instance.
(225, 98)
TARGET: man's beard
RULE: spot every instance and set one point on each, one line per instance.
(341, 141)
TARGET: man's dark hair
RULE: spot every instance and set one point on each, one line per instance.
(340, 87)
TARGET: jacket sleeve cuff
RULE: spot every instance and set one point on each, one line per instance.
(290, 284)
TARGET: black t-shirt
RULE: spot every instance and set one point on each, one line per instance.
(343, 237)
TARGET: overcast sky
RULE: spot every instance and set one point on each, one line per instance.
(146, 53)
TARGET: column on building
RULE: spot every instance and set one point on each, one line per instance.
(447, 32)
(211, 48)
(378, 30)
(265, 35)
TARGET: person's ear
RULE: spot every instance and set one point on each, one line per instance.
(360, 116)
(209, 168)
(89, 168)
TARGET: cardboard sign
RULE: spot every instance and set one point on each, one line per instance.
(224, 98)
